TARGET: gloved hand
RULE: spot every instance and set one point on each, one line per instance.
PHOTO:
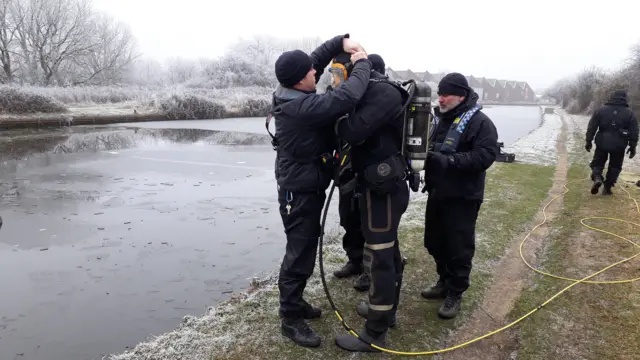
(631, 152)
(437, 161)
(588, 146)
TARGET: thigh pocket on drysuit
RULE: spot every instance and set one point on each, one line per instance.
(378, 212)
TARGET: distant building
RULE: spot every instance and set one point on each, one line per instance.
(489, 90)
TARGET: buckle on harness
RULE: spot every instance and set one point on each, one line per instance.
(274, 142)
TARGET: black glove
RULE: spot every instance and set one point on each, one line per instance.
(632, 152)
(588, 146)
(437, 161)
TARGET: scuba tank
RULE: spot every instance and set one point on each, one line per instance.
(416, 126)
(416, 130)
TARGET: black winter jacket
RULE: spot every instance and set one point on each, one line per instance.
(610, 121)
(374, 129)
(476, 152)
(304, 122)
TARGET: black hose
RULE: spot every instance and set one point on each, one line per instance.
(322, 275)
(321, 246)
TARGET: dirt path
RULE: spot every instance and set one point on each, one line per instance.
(509, 277)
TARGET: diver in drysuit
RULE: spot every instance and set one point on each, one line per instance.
(349, 210)
(374, 132)
(617, 129)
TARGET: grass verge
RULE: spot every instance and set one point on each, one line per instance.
(248, 327)
(590, 321)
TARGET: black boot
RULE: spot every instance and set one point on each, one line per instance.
(607, 189)
(597, 182)
(451, 306)
(300, 332)
(437, 291)
(311, 312)
(351, 343)
(362, 282)
(349, 269)
(363, 310)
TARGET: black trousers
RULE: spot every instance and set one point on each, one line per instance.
(380, 217)
(450, 238)
(302, 228)
(353, 239)
(616, 159)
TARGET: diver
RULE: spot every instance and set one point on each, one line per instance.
(374, 132)
(617, 130)
(353, 240)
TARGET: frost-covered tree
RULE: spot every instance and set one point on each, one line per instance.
(62, 42)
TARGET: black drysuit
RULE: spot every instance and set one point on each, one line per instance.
(616, 128)
(353, 239)
(374, 131)
(304, 132)
(455, 182)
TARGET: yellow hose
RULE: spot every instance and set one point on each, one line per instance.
(574, 281)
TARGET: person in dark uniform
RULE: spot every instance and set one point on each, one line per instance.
(353, 240)
(617, 130)
(304, 122)
(464, 144)
(374, 131)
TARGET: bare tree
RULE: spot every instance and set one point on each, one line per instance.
(588, 81)
(145, 72)
(7, 39)
(57, 31)
(261, 50)
(21, 17)
(180, 70)
(113, 50)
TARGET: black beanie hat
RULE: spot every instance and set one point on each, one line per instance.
(454, 84)
(292, 67)
(619, 94)
(377, 63)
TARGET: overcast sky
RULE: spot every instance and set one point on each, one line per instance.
(538, 41)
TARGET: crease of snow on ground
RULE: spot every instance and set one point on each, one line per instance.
(224, 327)
(539, 146)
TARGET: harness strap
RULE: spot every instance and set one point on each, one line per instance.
(274, 141)
(406, 94)
(458, 126)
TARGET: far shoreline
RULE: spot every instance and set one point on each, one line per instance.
(105, 116)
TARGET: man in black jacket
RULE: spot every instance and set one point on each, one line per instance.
(353, 240)
(304, 140)
(464, 144)
(617, 128)
(374, 131)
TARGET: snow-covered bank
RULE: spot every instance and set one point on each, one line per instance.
(177, 102)
(539, 146)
